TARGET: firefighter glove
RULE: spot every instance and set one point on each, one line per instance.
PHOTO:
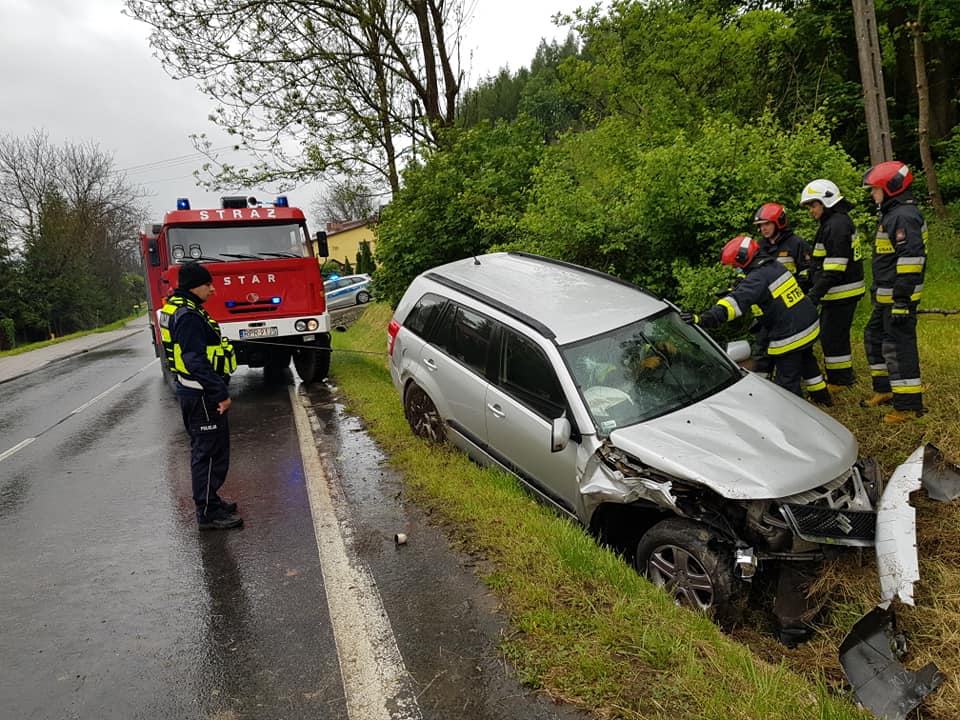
(690, 318)
(899, 313)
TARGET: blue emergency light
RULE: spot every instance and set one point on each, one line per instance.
(183, 204)
(282, 201)
(275, 300)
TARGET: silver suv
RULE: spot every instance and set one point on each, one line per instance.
(610, 408)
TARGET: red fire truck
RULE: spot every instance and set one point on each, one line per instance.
(268, 294)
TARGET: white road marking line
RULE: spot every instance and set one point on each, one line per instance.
(376, 683)
(88, 403)
(19, 446)
(109, 390)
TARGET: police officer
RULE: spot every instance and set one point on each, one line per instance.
(779, 242)
(899, 260)
(202, 361)
(836, 277)
(787, 314)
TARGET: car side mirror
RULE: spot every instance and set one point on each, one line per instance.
(738, 351)
(559, 434)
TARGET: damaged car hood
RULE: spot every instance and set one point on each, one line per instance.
(752, 440)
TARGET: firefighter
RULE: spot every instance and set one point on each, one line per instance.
(790, 250)
(202, 361)
(787, 314)
(779, 241)
(899, 259)
(836, 277)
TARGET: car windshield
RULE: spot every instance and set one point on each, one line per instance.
(646, 369)
(238, 242)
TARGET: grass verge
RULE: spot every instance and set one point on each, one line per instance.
(37, 345)
(587, 629)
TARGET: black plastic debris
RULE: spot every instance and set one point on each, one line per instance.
(941, 478)
(880, 682)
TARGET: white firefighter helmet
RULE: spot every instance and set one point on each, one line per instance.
(822, 190)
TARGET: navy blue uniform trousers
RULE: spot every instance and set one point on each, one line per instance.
(209, 449)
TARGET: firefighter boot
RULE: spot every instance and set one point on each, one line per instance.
(837, 388)
(822, 397)
(877, 399)
(901, 416)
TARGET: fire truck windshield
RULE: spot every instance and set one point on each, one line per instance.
(238, 242)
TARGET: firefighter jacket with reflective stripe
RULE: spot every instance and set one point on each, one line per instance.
(194, 348)
(789, 250)
(789, 317)
(837, 268)
(899, 253)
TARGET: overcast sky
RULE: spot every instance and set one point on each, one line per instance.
(82, 71)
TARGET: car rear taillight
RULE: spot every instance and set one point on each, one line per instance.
(392, 329)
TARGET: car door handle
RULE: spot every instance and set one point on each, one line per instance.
(431, 365)
(495, 409)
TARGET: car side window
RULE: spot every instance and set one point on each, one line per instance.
(470, 339)
(527, 375)
(423, 314)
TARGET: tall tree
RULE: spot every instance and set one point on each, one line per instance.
(923, 118)
(344, 201)
(71, 219)
(335, 76)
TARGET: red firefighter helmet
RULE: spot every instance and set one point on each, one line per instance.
(771, 212)
(892, 176)
(740, 251)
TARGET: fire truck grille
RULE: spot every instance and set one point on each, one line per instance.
(259, 307)
(824, 525)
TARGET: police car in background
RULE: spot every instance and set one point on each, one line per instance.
(347, 290)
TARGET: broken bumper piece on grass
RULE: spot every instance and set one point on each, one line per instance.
(880, 682)
(869, 653)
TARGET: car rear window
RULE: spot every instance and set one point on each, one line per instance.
(423, 314)
(470, 339)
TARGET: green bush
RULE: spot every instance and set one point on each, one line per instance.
(606, 199)
(467, 197)
(7, 334)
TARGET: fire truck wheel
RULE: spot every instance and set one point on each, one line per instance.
(313, 362)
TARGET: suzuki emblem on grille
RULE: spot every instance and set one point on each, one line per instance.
(252, 297)
(844, 524)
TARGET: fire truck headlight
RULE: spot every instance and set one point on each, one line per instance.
(306, 325)
(178, 253)
(195, 252)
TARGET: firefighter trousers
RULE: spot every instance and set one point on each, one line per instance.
(892, 353)
(209, 450)
(836, 318)
(797, 371)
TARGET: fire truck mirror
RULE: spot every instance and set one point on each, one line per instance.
(152, 253)
(322, 249)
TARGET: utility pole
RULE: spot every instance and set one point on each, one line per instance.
(871, 75)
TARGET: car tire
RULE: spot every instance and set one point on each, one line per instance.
(363, 297)
(422, 415)
(693, 565)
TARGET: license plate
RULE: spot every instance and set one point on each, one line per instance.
(259, 332)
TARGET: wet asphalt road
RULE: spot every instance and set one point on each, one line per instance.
(112, 605)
